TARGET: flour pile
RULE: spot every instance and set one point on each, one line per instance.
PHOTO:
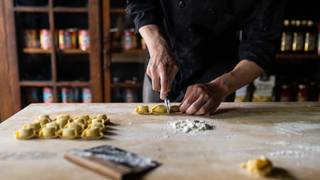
(191, 126)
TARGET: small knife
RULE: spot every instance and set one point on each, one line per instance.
(167, 103)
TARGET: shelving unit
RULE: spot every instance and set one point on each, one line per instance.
(124, 65)
(47, 14)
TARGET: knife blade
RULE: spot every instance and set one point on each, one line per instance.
(167, 103)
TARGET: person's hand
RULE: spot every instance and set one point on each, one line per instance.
(203, 99)
(161, 68)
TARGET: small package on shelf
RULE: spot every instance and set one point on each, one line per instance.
(86, 95)
(45, 39)
(66, 95)
(264, 89)
(31, 39)
(47, 95)
(84, 39)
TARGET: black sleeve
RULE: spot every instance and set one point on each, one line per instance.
(262, 30)
(144, 12)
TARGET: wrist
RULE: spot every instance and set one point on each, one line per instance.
(153, 38)
(224, 83)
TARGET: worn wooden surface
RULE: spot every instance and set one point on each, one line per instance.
(289, 134)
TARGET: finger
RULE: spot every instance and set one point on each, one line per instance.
(189, 98)
(205, 109)
(164, 84)
(155, 83)
(196, 105)
(173, 72)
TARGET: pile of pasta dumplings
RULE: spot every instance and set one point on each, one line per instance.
(65, 127)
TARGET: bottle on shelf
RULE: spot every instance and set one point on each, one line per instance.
(84, 39)
(298, 37)
(302, 94)
(86, 95)
(285, 93)
(286, 37)
(47, 95)
(45, 39)
(310, 37)
(66, 95)
(129, 40)
(31, 39)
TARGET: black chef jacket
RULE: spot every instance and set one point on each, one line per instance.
(202, 34)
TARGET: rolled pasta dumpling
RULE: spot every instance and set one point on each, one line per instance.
(34, 125)
(142, 109)
(25, 133)
(159, 109)
(68, 133)
(92, 133)
(48, 133)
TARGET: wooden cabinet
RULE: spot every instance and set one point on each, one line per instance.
(26, 70)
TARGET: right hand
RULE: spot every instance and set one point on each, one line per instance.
(161, 68)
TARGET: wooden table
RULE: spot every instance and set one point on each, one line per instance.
(287, 133)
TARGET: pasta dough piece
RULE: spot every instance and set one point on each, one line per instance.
(43, 121)
(25, 133)
(159, 109)
(101, 116)
(78, 126)
(174, 109)
(85, 117)
(61, 122)
(48, 133)
(92, 133)
(64, 117)
(142, 109)
(98, 125)
(54, 125)
(81, 121)
(35, 126)
(69, 133)
(261, 166)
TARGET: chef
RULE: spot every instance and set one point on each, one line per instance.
(195, 53)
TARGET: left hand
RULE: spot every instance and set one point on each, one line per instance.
(203, 99)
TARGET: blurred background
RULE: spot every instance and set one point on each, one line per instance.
(87, 51)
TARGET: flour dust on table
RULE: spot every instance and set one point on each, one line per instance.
(188, 126)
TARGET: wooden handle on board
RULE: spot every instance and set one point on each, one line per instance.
(105, 168)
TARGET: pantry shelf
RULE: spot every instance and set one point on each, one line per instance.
(36, 51)
(73, 84)
(36, 83)
(297, 57)
(126, 85)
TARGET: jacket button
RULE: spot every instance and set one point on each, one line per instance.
(181, 4)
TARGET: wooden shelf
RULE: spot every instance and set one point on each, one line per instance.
(73, 51)
(126, 85)
(50, 83)
(131, 56)
(297, 57)
(73, 83)
(70, 9)
(31, 9)
(118, 10)
(64, 51)
(36, 51)
(36, 83)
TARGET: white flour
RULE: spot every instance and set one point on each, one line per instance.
(191, 126)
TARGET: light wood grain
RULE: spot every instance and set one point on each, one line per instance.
(289, 134)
